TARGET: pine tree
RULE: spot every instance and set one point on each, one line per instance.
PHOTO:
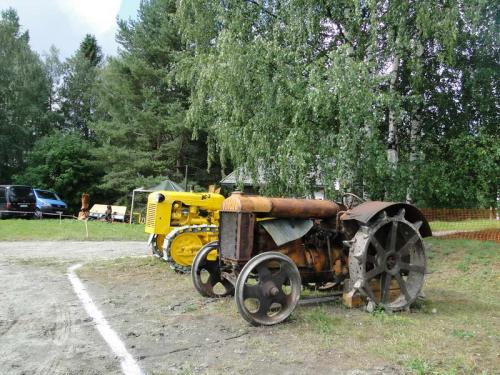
(78, 95)
(144, 136)
(91, 50)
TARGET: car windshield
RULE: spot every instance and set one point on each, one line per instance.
(19, 194)
(44, 194)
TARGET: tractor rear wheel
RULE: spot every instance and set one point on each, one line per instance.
(268, 289)
(387, 262)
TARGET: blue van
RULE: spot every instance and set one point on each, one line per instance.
(48, 202)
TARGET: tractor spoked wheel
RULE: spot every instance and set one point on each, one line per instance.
(268, 289)
(206, 274)
(387, 262)
(157, 245)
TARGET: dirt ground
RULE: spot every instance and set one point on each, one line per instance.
(43, 327)
(165, 325)
(170, 329)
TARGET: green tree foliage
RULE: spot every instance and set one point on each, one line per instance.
(143, 134)
(378, 94)
(24, 95)
(62, 162)
(54, 69)
(91, 50)
(78, 93)
(392, 99)
(467, 175)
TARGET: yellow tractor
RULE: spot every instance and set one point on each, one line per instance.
(180, 224)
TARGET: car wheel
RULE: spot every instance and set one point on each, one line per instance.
(38, 214)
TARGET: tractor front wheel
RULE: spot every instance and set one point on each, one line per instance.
(206, 274)
(268, 289)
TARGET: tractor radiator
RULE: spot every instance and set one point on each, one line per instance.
(236, 235)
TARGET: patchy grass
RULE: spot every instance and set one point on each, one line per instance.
(130, 266)
(460, 333)
(40, 262)
(321, 320)
(19, 230)
(419, 366)
(465, 225)
(454, 331)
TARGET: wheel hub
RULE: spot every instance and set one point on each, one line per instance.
(274, 291)
(270, 289)
(391, 262)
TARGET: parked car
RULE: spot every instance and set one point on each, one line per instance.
(17, 201)
(48, 202)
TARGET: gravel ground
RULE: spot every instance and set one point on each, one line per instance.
(71, 250)
(43, 327)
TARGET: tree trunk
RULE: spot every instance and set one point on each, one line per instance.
(416, 126)
(392, 138)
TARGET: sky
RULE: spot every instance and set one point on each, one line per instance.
(64, 23)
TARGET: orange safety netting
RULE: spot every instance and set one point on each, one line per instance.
(481, 235)
(457, 214)
(474, 224)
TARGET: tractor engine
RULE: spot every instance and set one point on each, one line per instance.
(269, 249)
(304, 230)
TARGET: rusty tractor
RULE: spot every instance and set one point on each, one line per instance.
(269, 249)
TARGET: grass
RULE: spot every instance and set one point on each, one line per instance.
(469, 225)
(418, 366)
(322, 320)
(454, 331)
(20, 229)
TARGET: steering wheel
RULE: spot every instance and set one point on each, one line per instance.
(351, 200)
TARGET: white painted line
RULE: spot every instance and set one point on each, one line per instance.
(128, 363)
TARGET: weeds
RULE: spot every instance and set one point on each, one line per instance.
(462, 334)
(419, 366)
(322, 321)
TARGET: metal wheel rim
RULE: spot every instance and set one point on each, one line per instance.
(388, 253)
(263, 290)
(200, 264)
